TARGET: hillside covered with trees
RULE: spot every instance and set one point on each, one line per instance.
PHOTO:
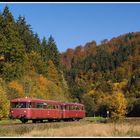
(102, 77)
(96, 73)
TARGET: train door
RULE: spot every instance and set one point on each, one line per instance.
(62, 111)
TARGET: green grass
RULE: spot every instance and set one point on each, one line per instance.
(10, 121)
(95, 119)
(16, 121)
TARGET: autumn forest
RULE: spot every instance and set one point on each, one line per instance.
(103, 77)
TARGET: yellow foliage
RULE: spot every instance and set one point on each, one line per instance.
(4, 104)
(91, 92)
(123, 83)
(2, 58)
(43, 88)
(52, 73)
(17, 87)
(43, 82)
(117, 105)
(119, 86)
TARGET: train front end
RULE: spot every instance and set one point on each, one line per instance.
(20, 109)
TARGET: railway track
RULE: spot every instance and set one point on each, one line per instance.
(132, 118)
(19, 125)
(45, 123)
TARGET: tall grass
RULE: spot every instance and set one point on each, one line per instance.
(90, 129)
(76, 129)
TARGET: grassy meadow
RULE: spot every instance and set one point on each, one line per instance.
(87, 127)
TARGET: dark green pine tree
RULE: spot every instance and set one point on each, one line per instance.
(3, 39)
(26, 34)
(44, 49)
(53, 53)
(37, 43)
(13, 49)
(3, 43)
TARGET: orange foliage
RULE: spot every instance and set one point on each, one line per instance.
(17, 87)
(43, 82)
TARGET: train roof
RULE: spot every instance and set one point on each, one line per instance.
(28, 99)
(79, 104)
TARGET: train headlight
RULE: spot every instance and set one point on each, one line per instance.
(12, 111)
(25, 111)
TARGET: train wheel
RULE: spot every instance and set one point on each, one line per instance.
(66, 120)
(77, 119)
(50, 120)
(34, 121)
(23, 120)
(41, 121)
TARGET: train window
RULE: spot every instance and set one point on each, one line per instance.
(58, 106)
(39, 105)
(71, 107)
(55, 106)
(14, 105)
(29, 105)
(19, 105)
(67, 107)
(50, 106)
(22, 105)
(44, 105)
(77, 108)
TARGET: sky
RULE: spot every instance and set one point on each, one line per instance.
(74, 24)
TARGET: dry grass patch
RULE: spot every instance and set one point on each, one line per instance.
(89, 130)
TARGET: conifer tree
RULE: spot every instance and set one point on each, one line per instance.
(25, 34)
(44, 49)
(52, 52)
(13, 49)
(37, 44)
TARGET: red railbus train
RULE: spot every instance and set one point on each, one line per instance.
(33, 109)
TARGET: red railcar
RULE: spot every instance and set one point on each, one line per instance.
(73, 111)
(38, 110)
